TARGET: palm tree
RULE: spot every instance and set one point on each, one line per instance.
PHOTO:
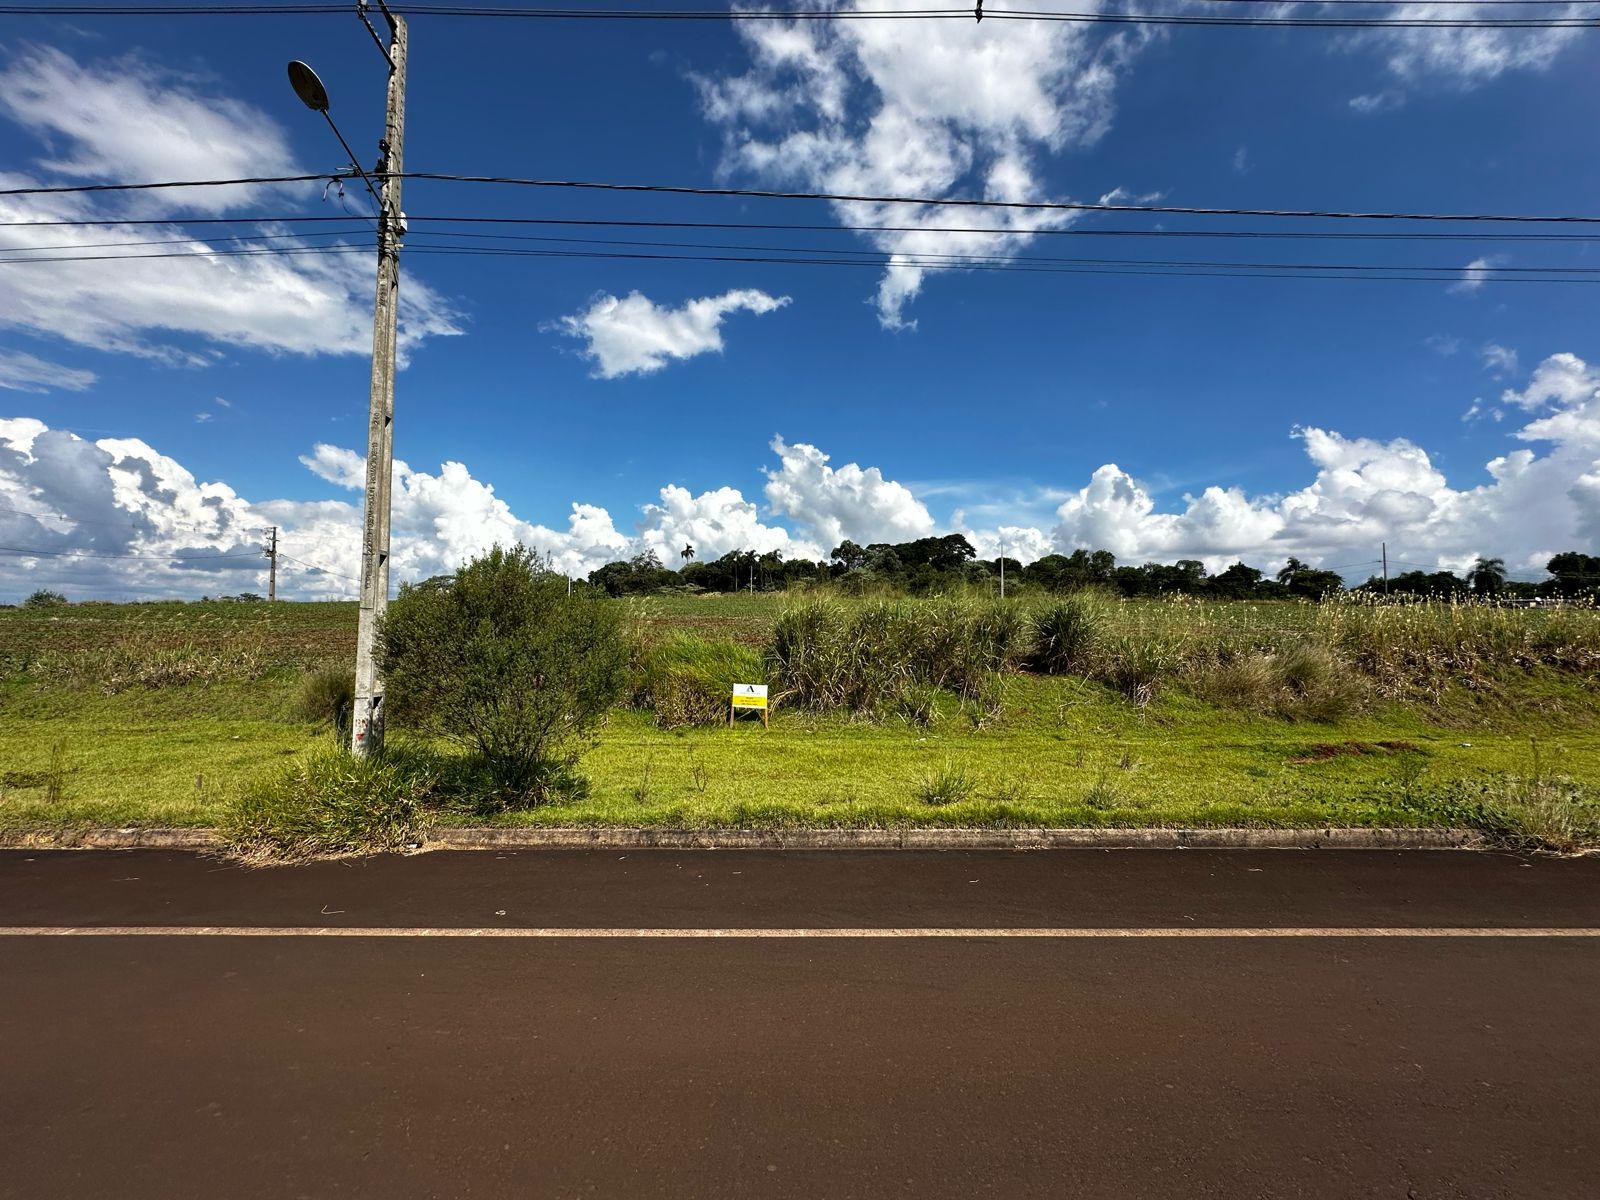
(688, 553)
(1290, 569)
(1488, 576)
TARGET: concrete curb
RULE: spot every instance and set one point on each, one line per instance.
(491, 838)
(957, 839)
(110, 839)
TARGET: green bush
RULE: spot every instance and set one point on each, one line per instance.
(504, 662)
(327, 801)
(44, 598)
(328, 697)
(689, 680)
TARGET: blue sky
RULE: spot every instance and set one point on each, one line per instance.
(993, 402)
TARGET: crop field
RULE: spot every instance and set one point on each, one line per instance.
(889, 712)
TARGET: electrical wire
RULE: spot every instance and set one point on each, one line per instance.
(642, 223)
(791, 14)
(1371, 273)
(963, 202)
(762, 194)
(32, 551)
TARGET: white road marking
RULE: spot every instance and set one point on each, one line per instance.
(1161, 931)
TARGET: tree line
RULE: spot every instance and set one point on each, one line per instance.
(933, 564)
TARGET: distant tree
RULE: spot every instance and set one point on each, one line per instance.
(848, 555)
(1238, 582)
(688, 552)
(1574, 574)
(1487, 576)
(1290, 569)
(44, 598)
(1309, 583)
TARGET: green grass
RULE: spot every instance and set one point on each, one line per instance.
(1470, 747)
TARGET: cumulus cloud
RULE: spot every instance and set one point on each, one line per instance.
(21, 372)
(129, 120)
(115, 517)
(858, 107)
(835, 503)
(637, 336)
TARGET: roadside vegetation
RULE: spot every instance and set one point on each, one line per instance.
(511, 702)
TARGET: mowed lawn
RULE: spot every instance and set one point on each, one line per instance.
(116, 715)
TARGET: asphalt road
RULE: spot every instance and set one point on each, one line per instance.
(200, 1062)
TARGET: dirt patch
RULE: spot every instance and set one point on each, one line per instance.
(1323, 751)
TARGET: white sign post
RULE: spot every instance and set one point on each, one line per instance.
(752, 697)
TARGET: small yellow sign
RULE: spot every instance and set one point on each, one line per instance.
(751, 697)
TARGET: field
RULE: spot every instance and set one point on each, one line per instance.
(154, 714)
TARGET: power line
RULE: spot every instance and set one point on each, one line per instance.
(249, 237)
(937, 14)
(1370, 273)
(31, 551)
(877, 257)
(962, 202)
(762, 194)
(833, 227)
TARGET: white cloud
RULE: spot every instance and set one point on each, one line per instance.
(1466, 58)
(119, 496)
(1373, 103)
(1475, 274)
(835, 503)
(636, 336)
(860, 108)
(1499, 360)
(21, 372)
(131, 120)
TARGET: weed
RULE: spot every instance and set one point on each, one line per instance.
(1102, 792)
(950, 784)
(688, 680)
(1008, 791)
(641, 790)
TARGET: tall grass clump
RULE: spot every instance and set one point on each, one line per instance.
(329, 802)
(689, 680)
(1065, 632)
(1302, 681)
(327, 697)
(867, 657)
(1412, 648)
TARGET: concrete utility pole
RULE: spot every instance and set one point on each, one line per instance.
(272, 561)
(366, 730)
(1385, 546)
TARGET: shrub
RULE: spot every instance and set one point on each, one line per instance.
(503, 661)
(689, 680)
(44, 598)
(328, 697)
(327, 801)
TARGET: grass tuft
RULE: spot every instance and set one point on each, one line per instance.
(950, 784)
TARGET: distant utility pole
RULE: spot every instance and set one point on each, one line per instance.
(1385, 546)
(366, 733)
(1002, 540)
(272, 560)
